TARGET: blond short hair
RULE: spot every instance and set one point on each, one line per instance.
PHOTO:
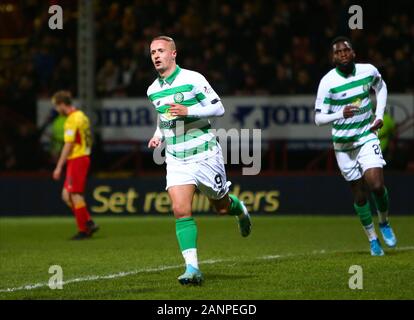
(62, 96)
(165, 38)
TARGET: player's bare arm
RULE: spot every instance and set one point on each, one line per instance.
(67, 149)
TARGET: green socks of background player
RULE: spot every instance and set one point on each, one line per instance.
(364, 213)
(382, 203)
(186, 231)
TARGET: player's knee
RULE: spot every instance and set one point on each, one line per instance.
(360, 199)
(221, 206)
(66, 198)
(77, 198)
(377, 188)
(222, 210)
(360, 202)
(181, 211)
(375, 185)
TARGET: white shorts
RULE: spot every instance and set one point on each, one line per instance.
(208, 175)
(354, 163)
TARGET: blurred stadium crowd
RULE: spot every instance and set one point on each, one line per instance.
(248, 47)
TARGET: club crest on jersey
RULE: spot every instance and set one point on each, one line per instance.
(178, 97)
(365, 87)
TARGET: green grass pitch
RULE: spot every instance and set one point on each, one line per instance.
(286, 257)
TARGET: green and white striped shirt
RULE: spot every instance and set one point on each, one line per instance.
(336, 91)
(188, 139)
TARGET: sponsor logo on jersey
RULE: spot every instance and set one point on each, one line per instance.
(357, 103)
(207, 90)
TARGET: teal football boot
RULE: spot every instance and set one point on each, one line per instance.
(191, 276)
(376, 249)
(388, 234)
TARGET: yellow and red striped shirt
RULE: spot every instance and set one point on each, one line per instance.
(77, 130)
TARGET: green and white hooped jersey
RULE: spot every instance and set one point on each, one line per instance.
(336, 91)
(188, 139)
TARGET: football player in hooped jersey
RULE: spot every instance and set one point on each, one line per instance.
(343, 100)
(76, 154)
(184, 101)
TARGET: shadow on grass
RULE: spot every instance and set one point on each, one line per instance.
(130, 291)
(230, 277)
(387, 251)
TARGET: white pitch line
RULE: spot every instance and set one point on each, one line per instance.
(109, 276)
(162, 268)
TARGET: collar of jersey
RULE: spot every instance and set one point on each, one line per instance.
(72, 110)
(343, 74)
(170, 79)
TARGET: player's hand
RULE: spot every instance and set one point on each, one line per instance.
(154, 142)
(56, 173)
(349, 111)
(178, 110)
(377, 124)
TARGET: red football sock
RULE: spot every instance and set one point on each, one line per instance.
(79, 220)
(82, 216)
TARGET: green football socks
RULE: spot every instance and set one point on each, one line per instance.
(364, 213)
(186, 231)
(236, 208)
(382, 204)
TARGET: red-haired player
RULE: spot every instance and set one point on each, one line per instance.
(76, 153)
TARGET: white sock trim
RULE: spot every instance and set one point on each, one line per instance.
(382, 216)
(190, 257)
(370, 232)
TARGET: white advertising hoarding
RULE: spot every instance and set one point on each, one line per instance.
(279, 117)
